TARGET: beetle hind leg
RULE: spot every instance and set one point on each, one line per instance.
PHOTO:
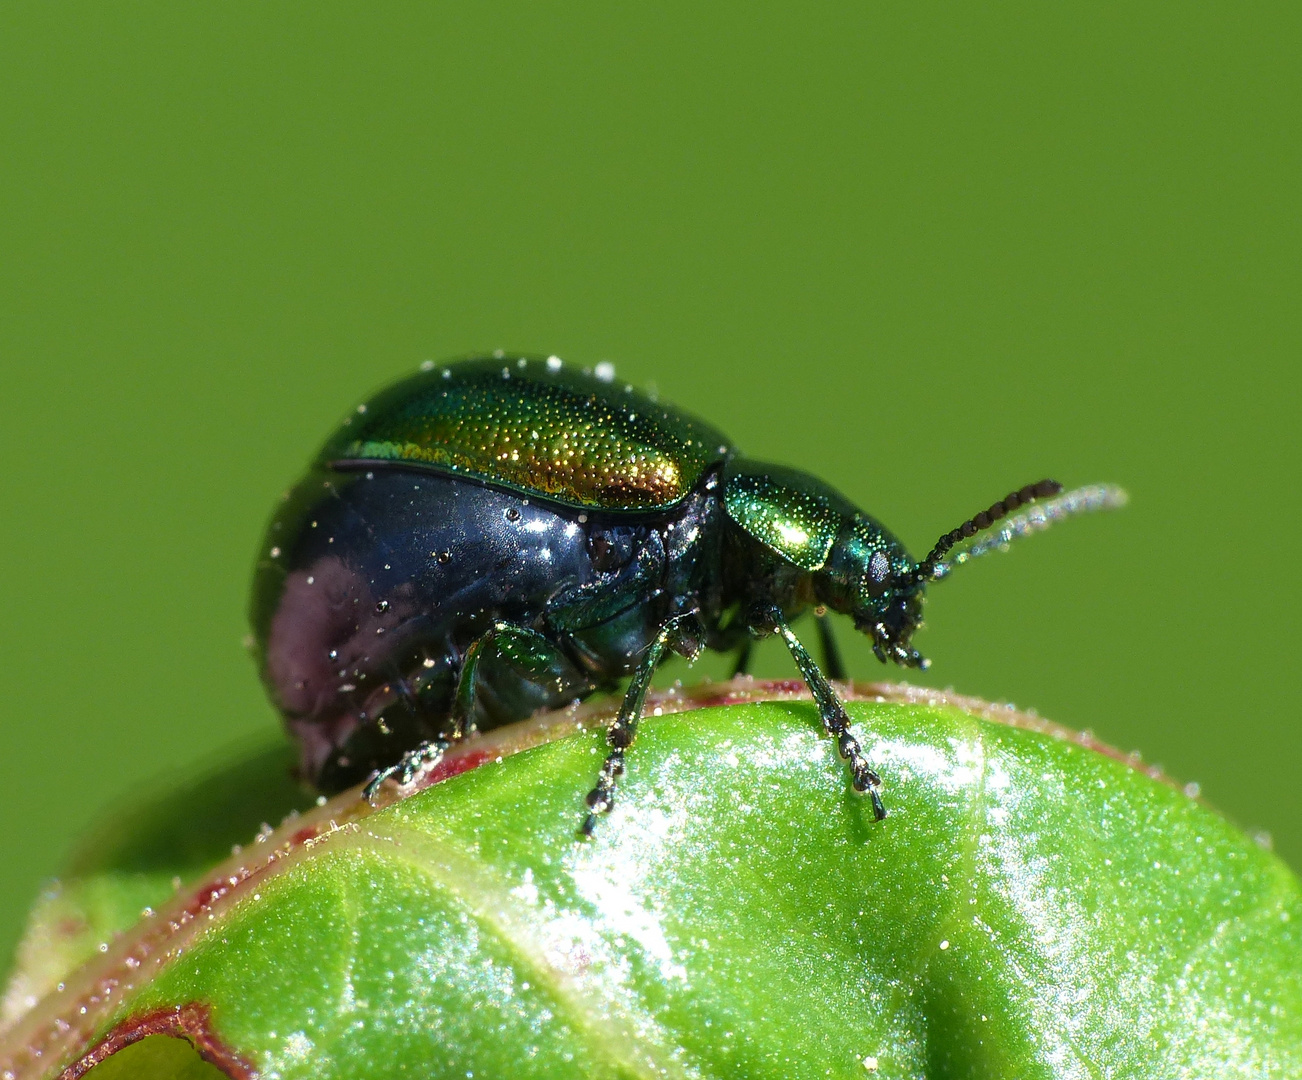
(411, 765)
(534, 659)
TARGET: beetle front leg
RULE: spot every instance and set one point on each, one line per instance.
(623, 731)
(833, 715)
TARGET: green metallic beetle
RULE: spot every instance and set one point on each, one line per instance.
(503, 535)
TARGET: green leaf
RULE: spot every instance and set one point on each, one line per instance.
(1033, 906)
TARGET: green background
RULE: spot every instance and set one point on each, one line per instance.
(929, 253)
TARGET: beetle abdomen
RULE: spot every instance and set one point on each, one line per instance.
(384, 581)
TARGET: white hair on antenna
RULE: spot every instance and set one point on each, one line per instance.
(1035, 517)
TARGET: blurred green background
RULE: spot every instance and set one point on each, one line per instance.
(928, 252)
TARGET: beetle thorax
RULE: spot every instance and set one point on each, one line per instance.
(816, 546)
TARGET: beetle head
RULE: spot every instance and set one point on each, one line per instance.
(855, 567)
(870, 577)
(890, 586)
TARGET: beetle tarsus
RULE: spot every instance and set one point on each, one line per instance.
(408, 768)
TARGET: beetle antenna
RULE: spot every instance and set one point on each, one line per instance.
(980, 522)
(1050, 504)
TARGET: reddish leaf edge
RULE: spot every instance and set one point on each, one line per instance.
(190, 1022)
(58, 1027)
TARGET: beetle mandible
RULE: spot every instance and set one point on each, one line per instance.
(502, 535)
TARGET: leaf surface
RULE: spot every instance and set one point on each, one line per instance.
(1034, 906)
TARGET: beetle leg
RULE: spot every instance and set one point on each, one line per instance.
(831, 651)
(742, 667)
(833, 715)
(623, 731)
(463, 698)
(531, 654)
(525, 649)
(414, 762)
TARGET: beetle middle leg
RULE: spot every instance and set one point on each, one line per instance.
(681, 632)
(742, 666)
(833, 714)
(831, 651)
(532, 655)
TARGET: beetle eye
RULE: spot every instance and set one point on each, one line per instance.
(879, 571)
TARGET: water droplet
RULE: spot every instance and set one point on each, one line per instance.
(605, 371)
(554, 363)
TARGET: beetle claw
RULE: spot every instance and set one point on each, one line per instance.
(413, 765)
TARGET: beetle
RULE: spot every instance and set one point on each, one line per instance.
(501, 535)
